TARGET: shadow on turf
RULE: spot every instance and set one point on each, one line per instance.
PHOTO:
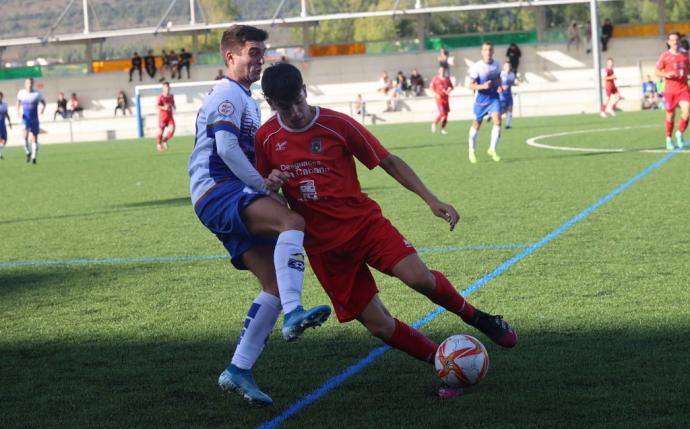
(567, 378)
(182, 201)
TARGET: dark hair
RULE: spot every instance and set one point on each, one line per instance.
(488, 43)
(673, 33)
(166, 84)
(282, 83)
(237, 35)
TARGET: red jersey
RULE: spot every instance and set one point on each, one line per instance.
(323, 187)
(678, 64)
(166, 101)
(610, 83)
(440, 85)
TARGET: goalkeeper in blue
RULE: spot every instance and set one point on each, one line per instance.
(255, 226)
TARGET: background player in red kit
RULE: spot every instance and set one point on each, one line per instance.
(311, 153)
(441, 86)
(166, 105)
(612, 95)
(673, 66)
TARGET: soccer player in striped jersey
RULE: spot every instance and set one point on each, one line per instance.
(4, 115)
(508, 81)
(485, 80)
(255, 226)
(28, 100)
(310, 152)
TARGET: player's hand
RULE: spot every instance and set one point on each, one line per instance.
(487, 84)
(446, 212)
(275, 180)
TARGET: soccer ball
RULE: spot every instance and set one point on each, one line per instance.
(461, 360)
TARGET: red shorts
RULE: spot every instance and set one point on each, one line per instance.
(610, 90)
(343, 271)
(671, 99)
(165, 121)
(443, 106)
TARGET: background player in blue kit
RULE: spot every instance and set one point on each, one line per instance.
(508, 81)
(485, 80)
(255, 226)
(28, 100)
(3, 130)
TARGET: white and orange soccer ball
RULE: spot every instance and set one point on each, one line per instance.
(461, 360)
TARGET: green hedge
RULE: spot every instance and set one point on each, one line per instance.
(20, 72)
(470, 40)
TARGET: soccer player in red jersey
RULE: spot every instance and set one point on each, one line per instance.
(612, 95)
(673, 66)
(310, 152)
(166, 105)
(441, 86)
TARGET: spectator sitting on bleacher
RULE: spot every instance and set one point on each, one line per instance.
(122, 104)
(386, 87)
(220, 75)
(75, 106)
(61, 106)
(185, 61)
(416, 83)
(360, 106)
(401, 85)
(136, 65)
(650, 98)
(173, 61)
(150, 64)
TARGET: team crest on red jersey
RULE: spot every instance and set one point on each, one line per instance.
(316, 146)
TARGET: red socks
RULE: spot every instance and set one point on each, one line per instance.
(411, 341)
(682, 125)
(669, 128)
(445, 295)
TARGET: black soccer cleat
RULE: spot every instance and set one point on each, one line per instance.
(497, 329)
(28, 157)
(33, 161)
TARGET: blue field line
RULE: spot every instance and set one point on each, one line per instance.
(334, 382)
(18, 264)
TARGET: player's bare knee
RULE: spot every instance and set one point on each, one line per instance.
(382, 329)
(293, 221)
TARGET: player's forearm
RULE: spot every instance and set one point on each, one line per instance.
(403, 174)
(232, 155)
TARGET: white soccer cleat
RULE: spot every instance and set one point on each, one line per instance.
(679, 140)
(443, 131)
(472, 157)
(602, 114)
(433, 128)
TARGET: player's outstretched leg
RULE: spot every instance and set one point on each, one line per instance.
(669, 130)
(493, 326)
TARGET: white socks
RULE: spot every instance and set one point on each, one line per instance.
(495, 135)
(258, 324)
(473, 138)
(27, 146)
(2, 146)
(509, 118)
(288, 258)
(34, 150)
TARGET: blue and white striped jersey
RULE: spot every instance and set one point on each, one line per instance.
(481, 72)
(29, 101)
(507, 82)
(229, 107)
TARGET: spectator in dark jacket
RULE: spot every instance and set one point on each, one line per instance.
(150, 64)
(513, 53)
(185, 61)
(606, 34)
(136, 65)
